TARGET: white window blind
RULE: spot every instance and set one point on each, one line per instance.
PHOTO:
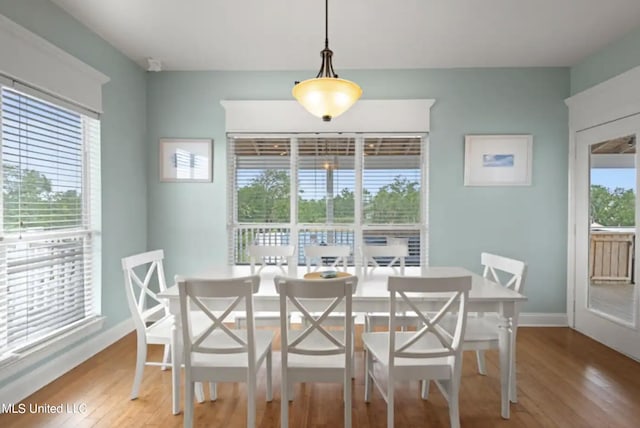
(259, 190)
(326, 180)
(261, 180)
(391, 180)
(50, 197)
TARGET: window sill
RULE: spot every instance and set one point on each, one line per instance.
(13, 363)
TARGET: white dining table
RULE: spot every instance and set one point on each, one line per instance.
(372, 296)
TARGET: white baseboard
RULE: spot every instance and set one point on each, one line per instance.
(534, 319)
(32, 381)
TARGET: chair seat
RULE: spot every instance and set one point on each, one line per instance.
(160, 331)
(260, 319)
(378, 345)
(218, 339)
(403, 320)
(479, 329)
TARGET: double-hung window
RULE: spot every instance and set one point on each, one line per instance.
(50, 220)
(345, 189)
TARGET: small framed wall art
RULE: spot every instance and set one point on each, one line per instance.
(497, 160)
(186, 160)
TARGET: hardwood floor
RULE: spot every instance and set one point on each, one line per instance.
(565, 380)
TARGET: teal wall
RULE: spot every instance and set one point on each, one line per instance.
(529, 223)
(124, 157)
(618, 57)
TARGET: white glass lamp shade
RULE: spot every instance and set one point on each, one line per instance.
(327, 97)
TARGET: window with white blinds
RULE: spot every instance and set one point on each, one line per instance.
(349, 190)
(391, 180)
(50, 205)
(326, 180)
(261, 180)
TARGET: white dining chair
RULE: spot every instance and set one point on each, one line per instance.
(259, 258)
(221, 354)
(396, 253)
(316, 353)
(483, 329)
(429, 353)
(262, 255)
(150, 314)
(338, 256)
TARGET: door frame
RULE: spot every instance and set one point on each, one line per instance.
(611, 100)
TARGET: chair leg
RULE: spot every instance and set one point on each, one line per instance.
(199, 392)
(213, 391)
(454, 412)
(166, 359)
(482, 369)
(269, 383)
(425, 389)
(140, 360)
(188, 402)
(251, 400)
(284, 399)
(347, 400)
(367, 375)
(390, 387)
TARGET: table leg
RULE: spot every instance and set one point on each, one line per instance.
(513, 392)
(506, 356)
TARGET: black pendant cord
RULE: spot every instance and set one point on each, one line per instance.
(326, 68)
(326, 24)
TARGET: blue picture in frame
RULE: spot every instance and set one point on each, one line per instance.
(497, 161)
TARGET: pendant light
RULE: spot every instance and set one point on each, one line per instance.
(326, 96)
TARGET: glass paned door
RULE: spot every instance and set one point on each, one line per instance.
(606, 219)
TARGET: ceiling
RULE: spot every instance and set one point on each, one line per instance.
(364, 34)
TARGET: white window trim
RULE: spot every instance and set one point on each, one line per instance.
(46, 67)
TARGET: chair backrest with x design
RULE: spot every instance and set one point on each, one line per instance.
(513, 271)
(516, 271)
(337, 256)
(143, 301)
(396, 252)
(217, 338)
(432, 340)
(296, 294)
(264, 254)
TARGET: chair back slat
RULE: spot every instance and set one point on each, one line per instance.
(453, 293)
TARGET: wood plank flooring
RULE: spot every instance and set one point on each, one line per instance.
(565, 380)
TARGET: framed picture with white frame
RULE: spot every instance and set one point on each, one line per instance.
(186, 160)
(497, 160)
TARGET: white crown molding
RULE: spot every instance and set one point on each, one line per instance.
(32, 60)
(32, 381)
(287, 116)
(612, 99)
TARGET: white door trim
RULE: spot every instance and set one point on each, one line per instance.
(610, 100)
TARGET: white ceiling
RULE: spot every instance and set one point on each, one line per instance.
(289, 34)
